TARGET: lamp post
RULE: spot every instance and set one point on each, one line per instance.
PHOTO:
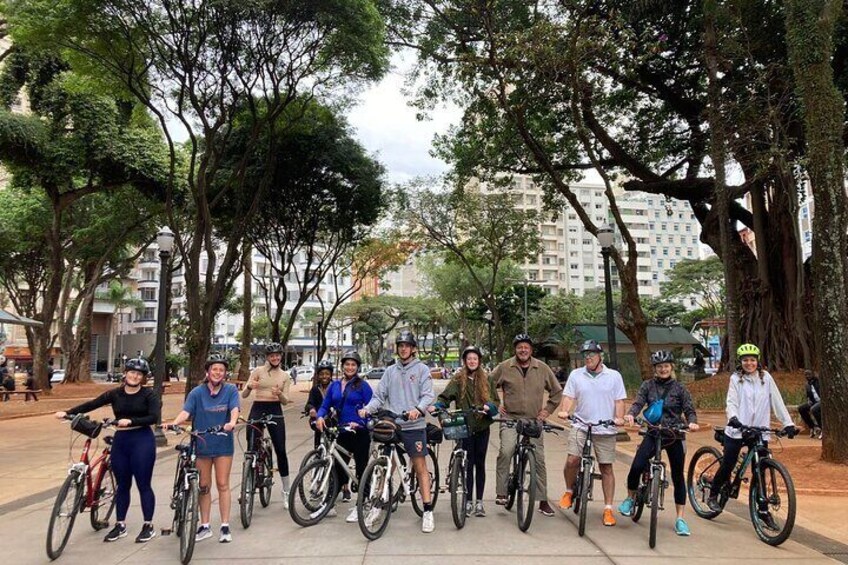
(489, 323)
(318, 323)
(165, 241)
(606, 238)
(525, 282)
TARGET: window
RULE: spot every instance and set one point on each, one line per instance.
(574, 266)
(660, 263)
(148, 294)
(688, 228)
(665, 251)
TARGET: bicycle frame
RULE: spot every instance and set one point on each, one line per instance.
(752, 458)
(90, 471)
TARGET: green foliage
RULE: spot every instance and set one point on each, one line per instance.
(702, 279)
(260, 330)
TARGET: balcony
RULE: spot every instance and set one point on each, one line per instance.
(141, 323)
(148, 283)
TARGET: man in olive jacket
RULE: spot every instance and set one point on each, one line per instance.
(524, 380)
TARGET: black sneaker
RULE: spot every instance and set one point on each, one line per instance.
(147, 534)
(714, 504)
(116, 533)
(768, 520)
(345, 495)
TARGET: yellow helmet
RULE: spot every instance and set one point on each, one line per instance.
(748, 349)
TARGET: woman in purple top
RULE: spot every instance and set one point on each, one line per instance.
(213, 403)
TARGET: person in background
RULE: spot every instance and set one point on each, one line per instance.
(30, 385)
(323, 377)
(811, 411)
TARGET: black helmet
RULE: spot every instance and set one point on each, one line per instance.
(273, 348)
(591, 346)
(217, 358)
(522, 338)
(662, 356)
(138, 364)
(472, 349)
(324, 365)
(353, 356)
(406, 337)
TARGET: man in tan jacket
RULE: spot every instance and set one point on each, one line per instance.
(523, 381)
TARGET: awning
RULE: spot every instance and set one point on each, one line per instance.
(15, 320)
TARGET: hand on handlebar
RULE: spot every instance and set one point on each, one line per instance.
(543, 414)
(319, 424)
(60, 415)
(363, 413)
(124, 423)
(629, 420)
(413, 415)
(693, 427)
(229, 426)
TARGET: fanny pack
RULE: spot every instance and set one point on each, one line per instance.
(654, 412)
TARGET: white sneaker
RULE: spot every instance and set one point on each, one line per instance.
(285, 500)
(373, 515)
(427, 523)
(352, 516)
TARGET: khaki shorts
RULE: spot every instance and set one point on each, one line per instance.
(604, 445)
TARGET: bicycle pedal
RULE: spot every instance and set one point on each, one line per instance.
(166, 531)
(596, 476)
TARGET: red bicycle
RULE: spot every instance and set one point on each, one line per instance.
(90, 485)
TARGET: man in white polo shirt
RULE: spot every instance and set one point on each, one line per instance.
(595, 392)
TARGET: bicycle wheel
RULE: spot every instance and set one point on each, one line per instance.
(639, 501)
(772, 502)
(265, 480)
(512, 483)
(313, 492)
(247, 494)
(104, 498)
(374, 500)
(699, 478)
(309, 457)
(575, 493)
(656, 485)
(188, 520)
(433, 471)
(459, 496)
(586, 487)
(64, 514)
(526, 492)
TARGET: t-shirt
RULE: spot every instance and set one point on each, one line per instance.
(208, 410)
(141, 408)
(595, 396)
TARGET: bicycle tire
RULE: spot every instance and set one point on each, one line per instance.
(575, 493)
(370, 497)
(247, 494)
(639, 500)
(303, 494)
(586, 487)
(702, 467)
(656, 485)
(511, 483)
(104, 499)
(526, 494)
(310, 455)
(266, 484)
(459, 496)
(769, 469)
(433, 469)
(68, 502)
(188, 520)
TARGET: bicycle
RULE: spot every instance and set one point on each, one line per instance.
(90, 485)
(377, 499)
(257, 471)
(185, 496)
(653, 482)
(521, 482)
(586, 475)
(766, 497)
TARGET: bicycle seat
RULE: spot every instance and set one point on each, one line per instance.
(182, 448)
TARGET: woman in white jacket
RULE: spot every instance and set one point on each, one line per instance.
(751, 397)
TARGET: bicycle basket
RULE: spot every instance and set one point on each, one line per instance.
(529, 428)
(83, 425)
(455, 426)
(385, 431)
(434, 434)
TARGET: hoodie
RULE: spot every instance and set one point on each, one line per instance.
(402, 388)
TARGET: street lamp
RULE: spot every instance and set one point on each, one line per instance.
(606, 238)
(165, 241)
(489, 323)
(525, 282)
(318, 323)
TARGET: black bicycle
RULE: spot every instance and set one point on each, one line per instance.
(586, 475)
(257, 471)
(653, 482)
(521, 483)
(185, 496)
(771, 492)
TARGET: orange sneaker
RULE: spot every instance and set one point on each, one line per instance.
(565, 501)
(609, 519)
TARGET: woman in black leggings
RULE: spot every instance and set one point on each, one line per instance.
(471, 387)
(136, 408)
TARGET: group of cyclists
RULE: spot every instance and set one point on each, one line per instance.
(528, 389)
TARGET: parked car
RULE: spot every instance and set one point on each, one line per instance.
(302, 373)
(58, 376)
(375, 374)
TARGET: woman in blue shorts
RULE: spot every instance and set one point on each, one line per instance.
(213, 403)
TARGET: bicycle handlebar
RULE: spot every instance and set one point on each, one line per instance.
(105, 422)
(756, 430)
(266, 419)
(216, 430)
(682, 428)
(546, 426)
(579, 420)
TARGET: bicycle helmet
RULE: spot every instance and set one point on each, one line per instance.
(353, 356)
(325, 365)
(137, 364)
(748, 350)
(406, 337)
(522, 338)
(662, 356)
(472, 349)
(273, 348)
(591, 346)
(217, 358)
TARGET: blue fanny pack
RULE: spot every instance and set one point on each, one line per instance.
(654, 412)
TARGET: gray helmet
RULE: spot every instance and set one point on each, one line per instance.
(591, 346)
(406, 337)
(472, 349)
(522, 338)
(273, 348)
(353, 356)
(138, 364)
(217, 358)
(662, 356)
(325, 365)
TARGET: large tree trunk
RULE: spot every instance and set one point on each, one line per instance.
(79, 357)
(247, 313)
(810, 28)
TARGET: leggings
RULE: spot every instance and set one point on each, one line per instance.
(277, 433)
(676, 451)
(358, 443)
(732, 448)
(476, 446)
(133, 456)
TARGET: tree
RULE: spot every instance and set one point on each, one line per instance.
(374, 318)
(122, 298)
(702, 280)
(811, 33)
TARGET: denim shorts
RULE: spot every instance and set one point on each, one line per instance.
(414, 442)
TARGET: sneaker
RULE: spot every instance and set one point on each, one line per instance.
(500, 500)
(818, 432)
(469, 508)
(203, 532)
(116, 533)
(545, 508)
(812, 433)
(565, 501)
(626, 507)
(681, 528)
(285, 500)
(609, 519)
(147, 534)
(373, 515)
(345, 496)
(768, 520)
(427, 523)
(352, 516)
(714, 504)
(479, 511)
(226, 536)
